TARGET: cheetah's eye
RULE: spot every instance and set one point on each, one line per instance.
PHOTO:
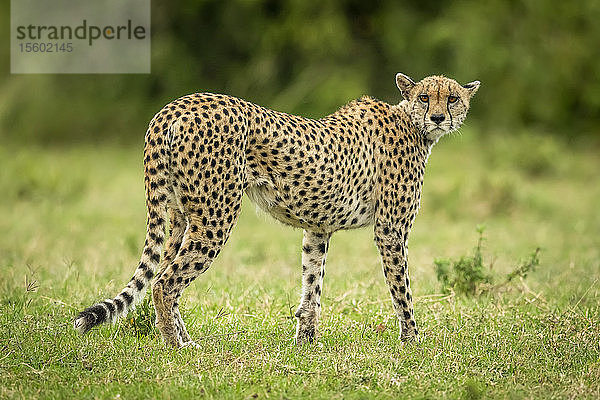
(452, 99)
(424, 98)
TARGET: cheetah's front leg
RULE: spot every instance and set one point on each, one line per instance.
(392, 247)
(314, 253)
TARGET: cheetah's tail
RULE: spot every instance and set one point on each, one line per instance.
(156, 203)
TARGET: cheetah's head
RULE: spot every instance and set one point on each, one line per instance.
(437, 105)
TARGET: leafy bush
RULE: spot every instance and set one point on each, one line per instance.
(526, 266)
(141, 320)
(470, 276)
(465, 275)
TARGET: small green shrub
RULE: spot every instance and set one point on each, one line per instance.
(465, 275)
(526, 266)
(470, 276)
(141, 321)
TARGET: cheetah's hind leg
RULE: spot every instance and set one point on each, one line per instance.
(178, 225)
(201, 245)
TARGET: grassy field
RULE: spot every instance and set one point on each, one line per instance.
(73, 223)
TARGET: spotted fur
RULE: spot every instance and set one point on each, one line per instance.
(362, 165)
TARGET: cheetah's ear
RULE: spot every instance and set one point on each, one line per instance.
(404, 83)
(472, 87)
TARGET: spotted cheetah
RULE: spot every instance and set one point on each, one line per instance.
(362, 165)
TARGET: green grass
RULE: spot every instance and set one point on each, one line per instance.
(73, 223)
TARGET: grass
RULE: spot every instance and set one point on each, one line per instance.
(73, 225)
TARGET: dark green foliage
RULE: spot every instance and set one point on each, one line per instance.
(465, 275)
(141, 321)
(525, 267)
(473, 390)
(470, 276)
(536, 59)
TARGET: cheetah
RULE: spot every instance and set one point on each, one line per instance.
(362, 165)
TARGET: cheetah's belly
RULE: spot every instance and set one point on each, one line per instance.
(323, 213)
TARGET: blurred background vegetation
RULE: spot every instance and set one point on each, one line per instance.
(537, 59)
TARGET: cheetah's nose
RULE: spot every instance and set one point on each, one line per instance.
(437, 118)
